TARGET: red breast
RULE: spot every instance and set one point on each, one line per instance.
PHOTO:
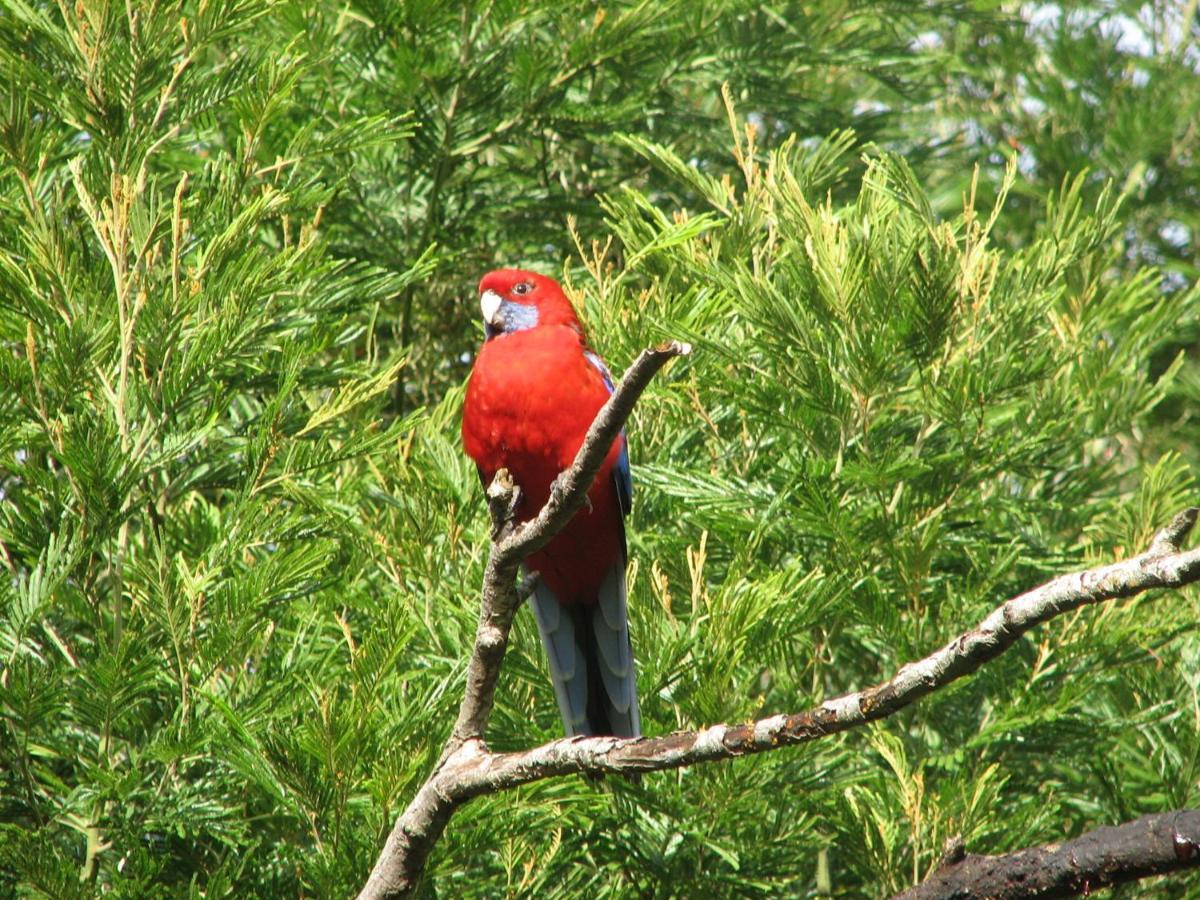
(530, 400)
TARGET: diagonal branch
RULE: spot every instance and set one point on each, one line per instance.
(569, 492)
(468, 769)
(1163, 565)
(1151, 845)
(511, 542)
(418, 828)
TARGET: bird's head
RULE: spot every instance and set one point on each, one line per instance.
(513, 300)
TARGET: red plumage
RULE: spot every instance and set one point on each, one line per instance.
(531, 398)
(532, 395)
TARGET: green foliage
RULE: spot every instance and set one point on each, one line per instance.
(897, 424)
(240, 570)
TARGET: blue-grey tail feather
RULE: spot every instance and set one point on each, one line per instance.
(591, 659)
(563, 655)
(614, 659)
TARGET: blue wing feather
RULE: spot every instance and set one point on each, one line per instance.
(622, 476)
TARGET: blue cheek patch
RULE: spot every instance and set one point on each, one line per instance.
(518, 316)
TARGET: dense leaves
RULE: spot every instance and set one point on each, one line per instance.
(241, 544)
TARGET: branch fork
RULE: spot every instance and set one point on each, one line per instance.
(467, 767)
(418, 828)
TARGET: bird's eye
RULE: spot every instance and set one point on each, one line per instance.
(523, 288)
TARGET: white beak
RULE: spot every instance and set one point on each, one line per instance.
(489, 303)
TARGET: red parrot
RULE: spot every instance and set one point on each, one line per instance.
(532, 395)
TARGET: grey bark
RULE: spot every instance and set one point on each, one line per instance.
(468, 769)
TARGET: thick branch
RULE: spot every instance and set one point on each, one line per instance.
(1147, 846)
(469, 770)
(403, 856)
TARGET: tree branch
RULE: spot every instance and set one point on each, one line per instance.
(569, 492)
(468, 769)
(1147, 846)
(1163, 565)
(418, 828)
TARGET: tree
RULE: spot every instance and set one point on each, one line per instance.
(241, 572)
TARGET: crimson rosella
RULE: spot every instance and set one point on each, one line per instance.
(534, 390)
